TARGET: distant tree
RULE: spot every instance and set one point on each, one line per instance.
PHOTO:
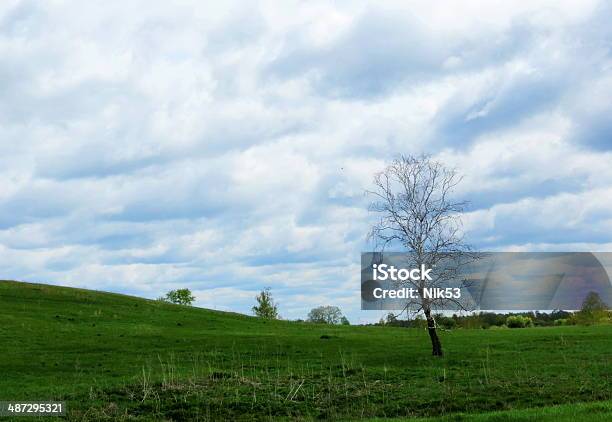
(179, 297)
(489, 319)
(592, 303)
(391, 318)
(593, 309)
(344, 321)
(559, 314)
(265, 308)
(325, 315)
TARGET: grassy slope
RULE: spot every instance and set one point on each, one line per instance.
(113, 355)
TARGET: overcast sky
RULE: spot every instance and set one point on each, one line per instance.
(146, 146)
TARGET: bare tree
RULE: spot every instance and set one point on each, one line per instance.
(416, 212)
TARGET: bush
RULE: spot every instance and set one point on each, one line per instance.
(446, 323)
(518, 321)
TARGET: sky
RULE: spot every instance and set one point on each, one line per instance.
(147, 146)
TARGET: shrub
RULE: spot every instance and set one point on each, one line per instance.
(518, 321)
(446, 323)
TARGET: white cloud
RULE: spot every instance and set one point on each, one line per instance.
(145, 146)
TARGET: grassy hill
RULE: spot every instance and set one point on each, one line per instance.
(116, 357)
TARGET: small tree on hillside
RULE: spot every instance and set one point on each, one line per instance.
(179, 297)
(325, 315)
(265, 308)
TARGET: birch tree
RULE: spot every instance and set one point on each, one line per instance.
(412, 198)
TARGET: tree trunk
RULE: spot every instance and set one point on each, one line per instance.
(433, 335)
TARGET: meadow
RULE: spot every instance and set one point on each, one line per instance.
(116, 357)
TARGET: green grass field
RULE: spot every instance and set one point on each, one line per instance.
(115, 357)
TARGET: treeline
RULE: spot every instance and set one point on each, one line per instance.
(484, 320)
(502, 320)
(593, 311)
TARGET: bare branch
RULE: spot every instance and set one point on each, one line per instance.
(414, 199)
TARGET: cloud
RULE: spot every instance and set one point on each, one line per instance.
(145, 147)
